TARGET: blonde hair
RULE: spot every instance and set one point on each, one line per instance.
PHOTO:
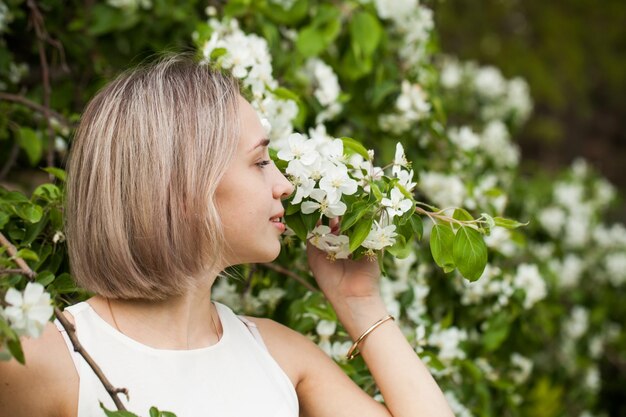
(149, 152)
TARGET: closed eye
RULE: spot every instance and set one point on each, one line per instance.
(263, 163)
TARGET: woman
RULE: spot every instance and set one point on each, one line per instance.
(170, 182)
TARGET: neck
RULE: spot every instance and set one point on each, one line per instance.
(188, 321)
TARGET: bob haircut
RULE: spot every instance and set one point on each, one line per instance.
(149, 152)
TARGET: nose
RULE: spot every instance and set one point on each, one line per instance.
(283, 188)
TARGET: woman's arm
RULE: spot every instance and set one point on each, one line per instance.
(404, 381)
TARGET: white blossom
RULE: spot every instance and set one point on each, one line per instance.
(577, 324)
(457, 408)
(615, 264)
(523, 367)
(448, 341)
(28, 311)
(380, 237)
(299, 148)
(397, 204)
(527, 278)
(464, 138)
(326, 328)
(552, 219)
(444, 190)
(328, 208)
(336, 181)
(489, 82)
(327, 88)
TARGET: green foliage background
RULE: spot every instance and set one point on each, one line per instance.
(87, 43)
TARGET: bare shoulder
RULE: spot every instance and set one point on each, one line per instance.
(315, 375)
(286, 346)
(47, 385)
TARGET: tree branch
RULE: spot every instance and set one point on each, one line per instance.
(35, 106)
(290, 274)
(69, 328)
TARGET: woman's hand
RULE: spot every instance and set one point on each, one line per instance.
(352, 287)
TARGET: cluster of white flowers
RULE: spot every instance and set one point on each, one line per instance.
(445, 190)
(317, 167)
(271, 296)
(28, 311)
(568, 271)
(522, 368)
(528, 279)
(458, 409)
(130, 4)
(576, 325)
(411, 106)
(448, 342)
(247, 56)
(413, 22)
(499, 97)
(497, 144)
(615, 265)
(326, 90)
(491, 284)
(336, 350)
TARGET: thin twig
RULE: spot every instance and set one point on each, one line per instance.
(443, 217)
(24, 268)
(35, 106)
(38, 23)
(290, 274)
(69, 328)
(9, 271)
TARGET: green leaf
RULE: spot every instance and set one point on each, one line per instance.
(45, 278)
(310, 220)
(496, 333)
(218, 52)
(56, 172)
(29, 141)
(27, 254)
(48, 192)
(365, 31)
(29, 212)
(63, 284)
(357, 210)
(116, 413)
(508, 223)
(154, 412)
(295, 222)
(462, 214)
(4, 219)
(470, 253)
(417, 225)
(310, 41)
(441, 242)
(376, 191)
(401, 249)
(15, 347)
(353, 146)
(361, 230)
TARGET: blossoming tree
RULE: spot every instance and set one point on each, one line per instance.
(413, 150)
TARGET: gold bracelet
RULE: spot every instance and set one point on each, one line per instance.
(354, 352)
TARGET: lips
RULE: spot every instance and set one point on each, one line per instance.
(277, 220)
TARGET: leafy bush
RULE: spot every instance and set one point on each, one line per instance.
(526, 338)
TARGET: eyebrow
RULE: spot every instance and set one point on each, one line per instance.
(262, 142)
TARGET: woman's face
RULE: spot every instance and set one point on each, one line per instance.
(249, 196)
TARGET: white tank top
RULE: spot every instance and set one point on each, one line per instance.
(235, 377)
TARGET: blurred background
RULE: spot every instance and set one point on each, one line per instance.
(573, 55)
